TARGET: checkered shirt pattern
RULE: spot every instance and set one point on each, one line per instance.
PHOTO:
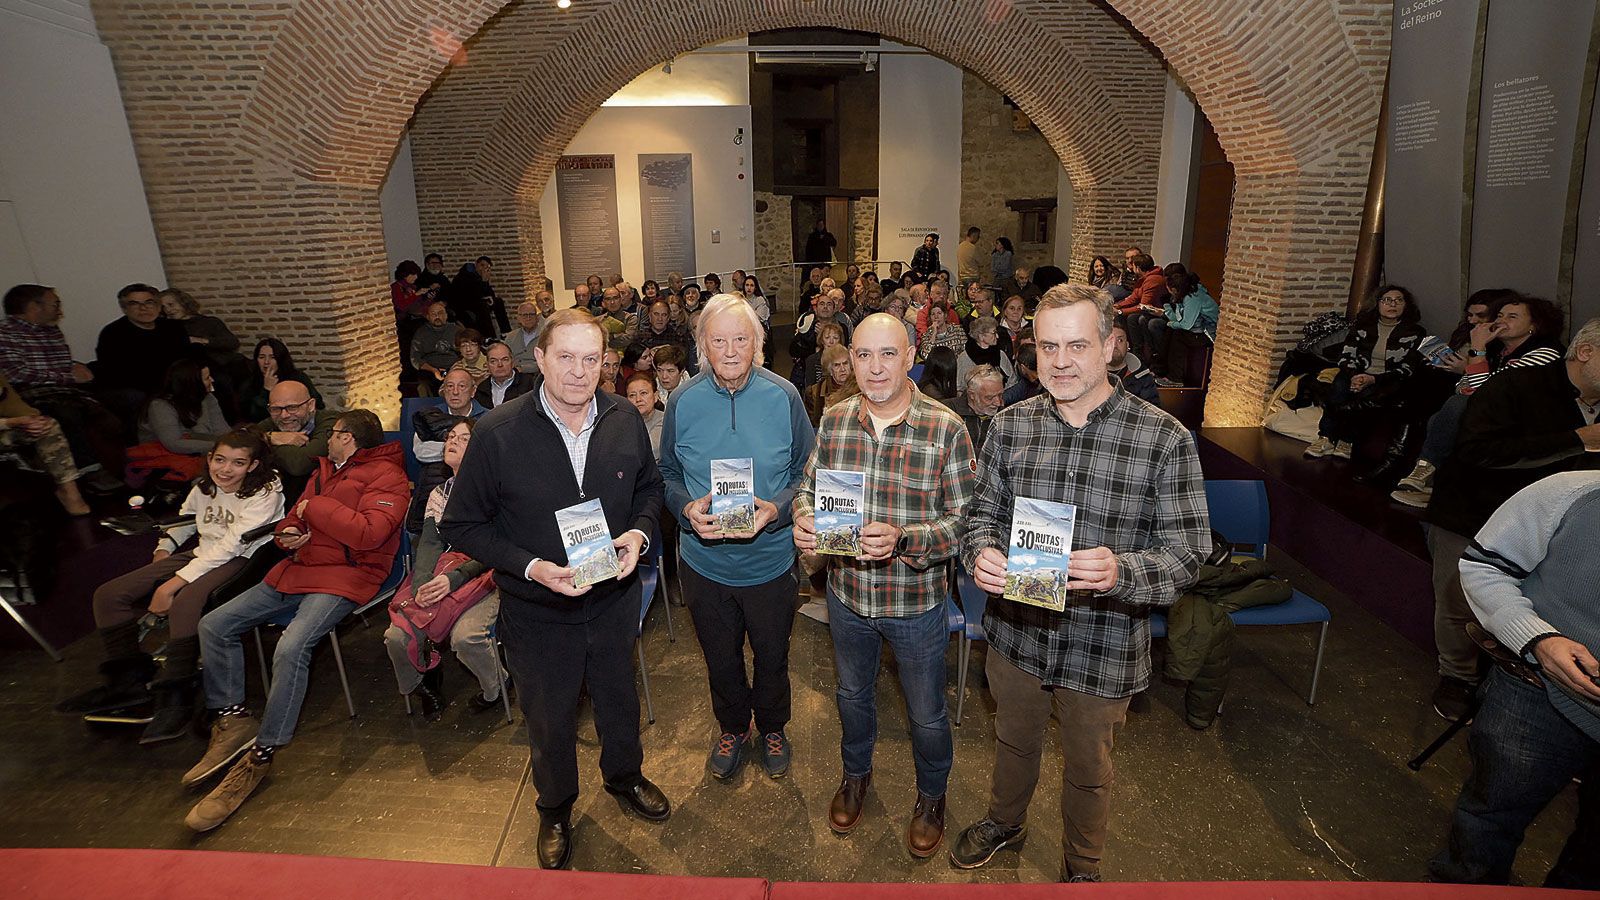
(1134, 476)
(919, 477)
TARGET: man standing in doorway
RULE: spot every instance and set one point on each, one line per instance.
(560, 637)
(740, 586)
(967, 257)
(917, 462)
(1141, 533)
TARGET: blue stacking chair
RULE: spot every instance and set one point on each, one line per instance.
(649, 580)
(1240, 512)
(409, 406)
(397, 574)
(973, 602)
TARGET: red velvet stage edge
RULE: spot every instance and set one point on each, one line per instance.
(193, 874)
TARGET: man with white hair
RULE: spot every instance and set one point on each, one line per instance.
(917, 464)
(742, 586)
(982, 396)
(521, 339)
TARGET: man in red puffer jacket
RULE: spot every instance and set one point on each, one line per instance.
(342, 536)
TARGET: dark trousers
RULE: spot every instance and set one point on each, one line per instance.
(551, 662)
(1524, 752)
(1176, 353)
(123, 599)
(723, 617)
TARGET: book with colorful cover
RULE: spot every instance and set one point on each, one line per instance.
(587, 537)
(733, 497)
(839, 507)
(1041, 545)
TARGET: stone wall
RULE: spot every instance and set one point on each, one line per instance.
(998, 164)
(264, 128)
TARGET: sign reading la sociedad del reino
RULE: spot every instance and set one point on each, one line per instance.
(586, 201)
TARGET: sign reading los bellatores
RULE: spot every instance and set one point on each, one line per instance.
(586, 202)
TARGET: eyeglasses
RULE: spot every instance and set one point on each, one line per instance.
(288, 407)
(151, 302)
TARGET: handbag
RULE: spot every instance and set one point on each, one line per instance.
(429, 626)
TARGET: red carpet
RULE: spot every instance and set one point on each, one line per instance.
(185, 874)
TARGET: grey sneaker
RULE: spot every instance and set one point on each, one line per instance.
(1342, 450)
(1413, 499)
(1320, 448)
(230, 736)
(727, 754)
(1420, 479)
(228, 796)
(981, 840)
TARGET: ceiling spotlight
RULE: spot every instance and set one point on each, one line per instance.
(563, 4)
(665, 69)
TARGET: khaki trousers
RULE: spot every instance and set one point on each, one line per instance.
(1088, 727)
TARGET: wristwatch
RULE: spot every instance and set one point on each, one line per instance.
(1477, 353)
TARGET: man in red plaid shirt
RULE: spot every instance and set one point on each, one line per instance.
(918, 467)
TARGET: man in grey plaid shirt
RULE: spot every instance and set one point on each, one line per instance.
(1141, 533)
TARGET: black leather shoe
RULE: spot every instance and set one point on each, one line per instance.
(555, 843)
(479, 703)
(643, 799)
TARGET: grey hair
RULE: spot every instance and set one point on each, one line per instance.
(986, 324)
(1066, 294)
(720, 304)
(979, 373)
(1588, 335)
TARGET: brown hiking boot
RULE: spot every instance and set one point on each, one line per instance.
(845, 810)
(926, 831)
(230, 736)
(228, 796)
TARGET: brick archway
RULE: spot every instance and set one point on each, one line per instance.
(264, 129)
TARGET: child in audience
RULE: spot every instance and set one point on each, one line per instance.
(239, 492)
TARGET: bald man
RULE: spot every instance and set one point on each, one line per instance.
(918, 466)
(521, 339)
(298, 432)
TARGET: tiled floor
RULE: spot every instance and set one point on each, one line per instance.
(1275, 790)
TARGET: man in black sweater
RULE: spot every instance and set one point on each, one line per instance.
(560, 637)
(1521, 426)
(134, 352)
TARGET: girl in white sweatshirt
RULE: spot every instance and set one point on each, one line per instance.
(238, 493)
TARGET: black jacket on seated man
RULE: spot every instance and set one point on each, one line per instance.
(127, 356)
(1520, 427)
(516, 475)
(520, 383)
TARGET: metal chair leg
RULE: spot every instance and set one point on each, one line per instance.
(261, 657)
(32, 632)
(338, 659)
(1316, 668)
(500, 673)
(644, 675)
(407, 699)
(963, 655)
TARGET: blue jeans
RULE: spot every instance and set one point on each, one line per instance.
(918, 643)
(1443, 428)
(220, 630)
(1524, 752)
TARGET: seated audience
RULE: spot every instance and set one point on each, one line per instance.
(35, 443)
(523, 338)
(1000, 259)
(713, 286)
(668, 364)
(1027, 383)
(1102, 274)
(1020, 284)
(659, 330)
(180, 423)
(1145, 303)
(298, 431)
(1529, 577)
(431, 424)
(504, 381)
(641, 392)
(983, 349)
(938, 379)
(675, 284)
(469, 346)
(829, 334)
(273, 365)
(410, 310)
(631, 303)
(237, 493)
(217, 342)
(433, 278)
(1518, 331)
(983, 394)
(757, 300)
(651, 291)
(899, 306)
(1135, 375)
(1379, 356)
(343, 534)
(687, 315)
(461, 607)
(1521, 426)
(1130, 275)
(943, 331)
(433, 348)
(133, 353)
(838, 384)
(980, 304)
(620, 326)
(1190, 322)
(925, 261)
(827, 307)
(1013, 321)
(473, 301)
(610, 371)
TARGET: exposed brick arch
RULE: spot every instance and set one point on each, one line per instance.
(263, 129)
